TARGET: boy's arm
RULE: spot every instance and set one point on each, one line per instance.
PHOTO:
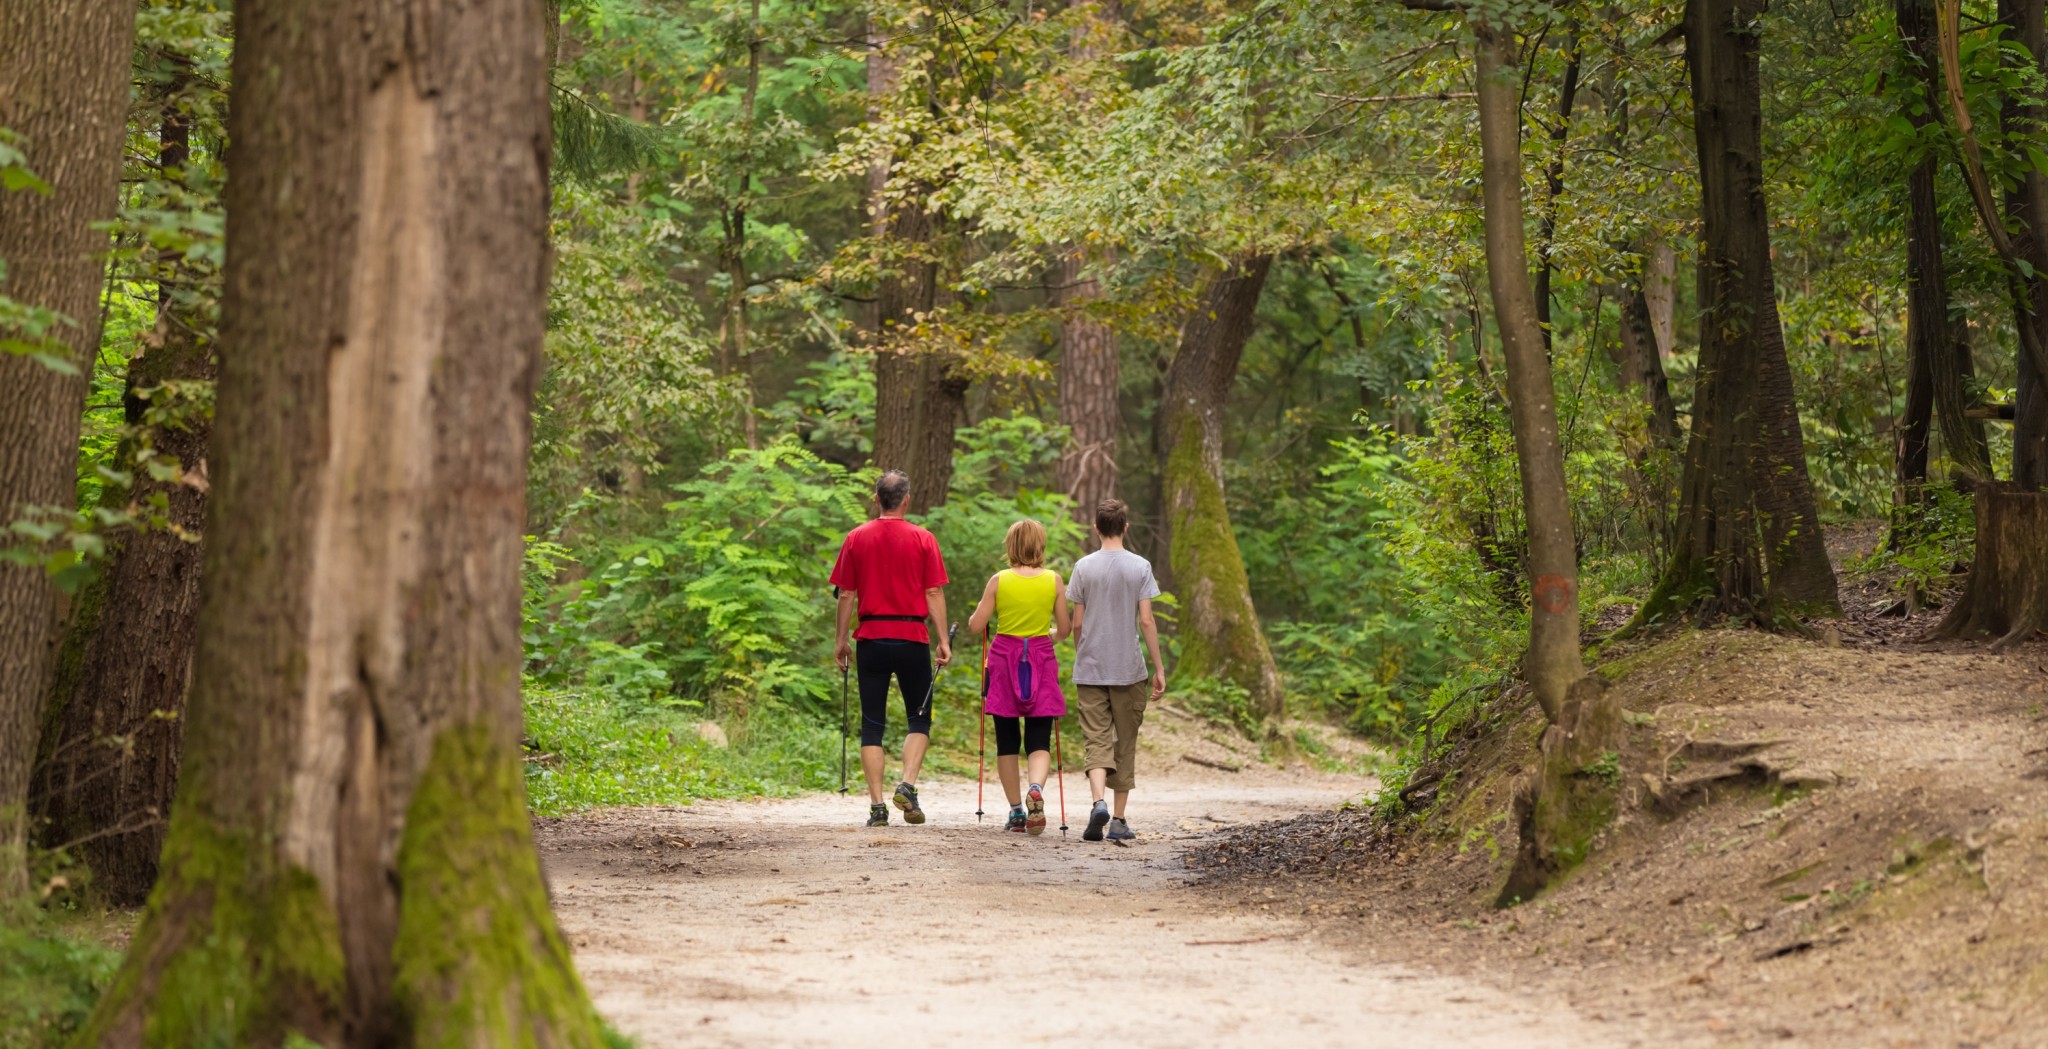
(1150, 628)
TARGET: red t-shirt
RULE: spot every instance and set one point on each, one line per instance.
(889, 563)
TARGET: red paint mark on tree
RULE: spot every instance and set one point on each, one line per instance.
(1555, 593)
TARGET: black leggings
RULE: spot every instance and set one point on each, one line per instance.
(910, 663)
(1034, 735)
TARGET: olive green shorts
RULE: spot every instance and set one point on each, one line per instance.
(1110, 716)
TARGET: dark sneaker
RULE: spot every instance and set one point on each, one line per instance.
(1016, 822)
(1120, 831)
(878, 815)
(1034, 812)
(1097, 819)
(906, 799)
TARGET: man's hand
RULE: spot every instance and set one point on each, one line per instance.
(1158, 683)
(842, 654)
(945, 652)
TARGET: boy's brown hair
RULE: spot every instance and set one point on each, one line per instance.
(1112, 517)
(1024, 544)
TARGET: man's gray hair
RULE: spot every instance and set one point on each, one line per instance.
(892, 489)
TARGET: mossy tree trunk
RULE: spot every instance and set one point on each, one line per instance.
(349, 857)
(1748, 540)
(1219, 628)
(1570, 796)
(64, 69)
(112, 739)
(2026, 214)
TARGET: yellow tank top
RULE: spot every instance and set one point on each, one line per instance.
(1024, 604)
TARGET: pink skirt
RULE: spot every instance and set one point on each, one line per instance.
(1022, 678)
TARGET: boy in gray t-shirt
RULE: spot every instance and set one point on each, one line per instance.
(1112, 591)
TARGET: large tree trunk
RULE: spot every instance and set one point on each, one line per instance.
(114, 732)
(2006, 598)
(350, 859)
(64, 89)
(1219, 628)
(919, 400)
(1088, 395)
(1748, 539)
(1940, 370)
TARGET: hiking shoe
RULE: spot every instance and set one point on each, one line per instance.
(878, 815)
(906, 799)
(1016, 821)
(1097, 819)
(1034, 812)
(1120, 831)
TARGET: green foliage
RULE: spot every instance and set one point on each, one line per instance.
(994, 467)
(50, 979)
(1926, 544)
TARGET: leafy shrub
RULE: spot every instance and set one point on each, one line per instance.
(48, 980)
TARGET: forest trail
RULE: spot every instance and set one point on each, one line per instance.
(784, 923)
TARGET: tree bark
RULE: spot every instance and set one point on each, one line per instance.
(1940, 370)
(350, 859)
(919, 399)
(1553, 661)
(2006, 598)
(114, 731)
(1219, 628)
(64, 70)
(1748, 540)
(1088, 395)
(1642, 363)
(2026, 206)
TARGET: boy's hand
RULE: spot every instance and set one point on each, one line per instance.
(1158, 683)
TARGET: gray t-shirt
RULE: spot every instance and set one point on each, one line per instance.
(1108, 584)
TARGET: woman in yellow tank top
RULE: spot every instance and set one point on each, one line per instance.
(1021, 690)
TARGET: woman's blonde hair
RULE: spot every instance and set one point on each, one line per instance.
(1024, 544)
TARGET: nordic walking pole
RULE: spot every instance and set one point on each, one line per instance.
(842, 729)
(933, 687)
(1060, 752)
(981, 732)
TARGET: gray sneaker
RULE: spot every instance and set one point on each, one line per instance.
(1120, 831)
(1098, 818)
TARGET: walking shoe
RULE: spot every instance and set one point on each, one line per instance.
(906, 799)
(1034, 809)
(1119, 830)
(878, 815)
(1098, 818)
(1016, 822)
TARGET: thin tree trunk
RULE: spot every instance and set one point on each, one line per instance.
(64, 71)
(116, 716)
(1553, 180)
(1748, 539)
(1088, 395)
(1553, 661)
(735, 253)
(1642, 366)
(1940, 372)
(2026, 207)
(1660, 294)
(350, 860)
(1219, 628)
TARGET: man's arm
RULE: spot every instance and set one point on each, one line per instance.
(935, 599)
(842, 652)
(1150, 628)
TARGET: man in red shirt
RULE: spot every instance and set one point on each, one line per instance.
(890, 576)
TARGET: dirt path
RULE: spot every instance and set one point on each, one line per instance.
(783, 924)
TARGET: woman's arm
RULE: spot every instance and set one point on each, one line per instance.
(984, 611)
(1062, 624)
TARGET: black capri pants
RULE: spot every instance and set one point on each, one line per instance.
(910, 663)
(1032, 735)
